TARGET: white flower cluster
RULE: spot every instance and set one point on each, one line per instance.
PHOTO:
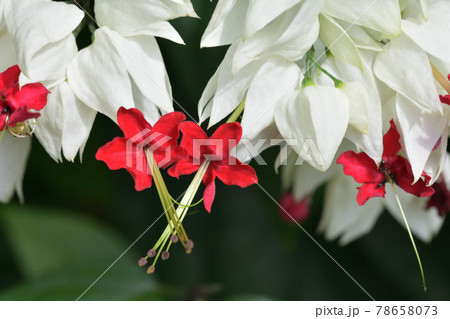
(123, 66)
(372, 61)
(334, 72)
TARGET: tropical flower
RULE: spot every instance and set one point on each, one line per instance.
(40, 35)
(393, 168)
(129, 152)
(126, 35)
(15, 106)
(215, 151)
(16, 102)
(294, 211)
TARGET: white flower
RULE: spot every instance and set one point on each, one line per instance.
(319, 114)
(259, 66)
(41, 32)
(124, 66)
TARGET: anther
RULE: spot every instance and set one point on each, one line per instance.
(382, 166)
(174, 239)
(151, 270)
(151, 253)
(142, 262)
(165, 255)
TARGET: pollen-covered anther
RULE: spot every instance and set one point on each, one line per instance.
(165, 255)
(174, 239)
(189, 246)
(142, 262)
(151, 270)
(151, 253)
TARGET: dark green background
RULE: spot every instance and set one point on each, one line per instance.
(79, 218)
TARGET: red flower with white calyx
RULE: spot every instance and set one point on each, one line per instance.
(19, 105)
(211, 157)
(141, 151)
(393, 169)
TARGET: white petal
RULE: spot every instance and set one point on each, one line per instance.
(274, 79)
(290, 35)
(205, 103)
(78, 121)
(231, 88)
(361, 38)
(181, 8)
(49, 129)
(44, 45)
(359, 105)
(162, 29)
(438, 161)
(90, 73)
(13, 159)
(424, 224)
(371, 143)
(7, 51)
(338, 41)
(148, 109)
(317, 118)
(405, 68)
(419, 132)
(259, 14)
(432, 36)
(128, 17)
(381, 15)
(145, 65)
(226, 22)
(342, 216)
(306, 179)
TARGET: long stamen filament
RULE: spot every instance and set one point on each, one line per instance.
(411, 237)
(440, 78)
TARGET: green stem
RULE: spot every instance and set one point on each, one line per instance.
(337, 83)
(411, 237)
(237, 112)
(189, 206)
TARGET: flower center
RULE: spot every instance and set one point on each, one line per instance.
(388, 176)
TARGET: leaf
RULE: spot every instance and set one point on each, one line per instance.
(62, 254)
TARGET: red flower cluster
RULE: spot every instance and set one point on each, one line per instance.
(139, 137)
(16, 102)
(393, 168)
(294, 211)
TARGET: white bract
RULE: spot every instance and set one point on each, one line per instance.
(125, 50)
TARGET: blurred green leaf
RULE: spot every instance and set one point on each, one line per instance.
(61, 254)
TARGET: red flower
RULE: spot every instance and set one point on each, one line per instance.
(445, 99)
(139, 136)
(393, 168)
(16, 102)
(294, 211)
(216, 150)
(441, 197)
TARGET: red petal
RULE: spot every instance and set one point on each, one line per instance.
(369, 190)
(210, 189)
(237, 174)
(20, 115)
(360, 166)
(168, 156)
(183, 167)
(115, 155)
(167, 125)
(228, 135)
(133, 124)
(401, 169)
(391, 142)
(445, 99)
(33, 96)
(294, 211)
(9, 78)
(191, 131)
